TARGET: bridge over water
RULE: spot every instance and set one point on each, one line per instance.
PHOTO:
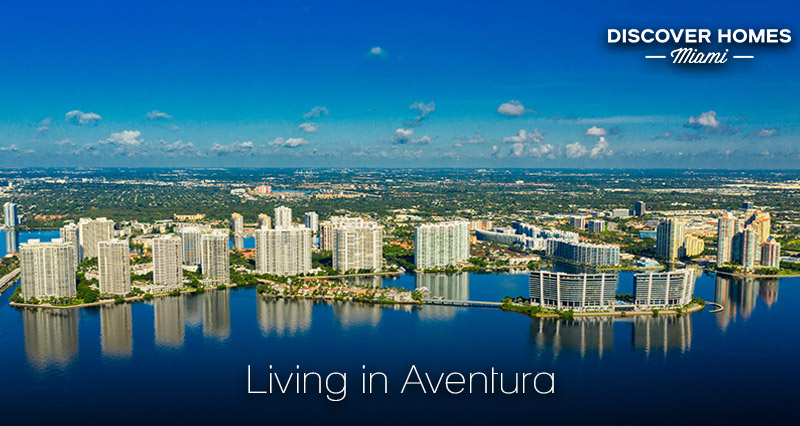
(467, 303)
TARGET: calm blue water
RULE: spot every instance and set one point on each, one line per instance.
(23, 236)
(185, 358)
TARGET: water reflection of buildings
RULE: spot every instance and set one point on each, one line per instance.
(375, 281)
(193, 305)
(349, 313)
(217, 314)
(446, 286)
(738, 297)
(169, 321)
(12, 240)
(596, 334)
(663, 332)
(116, 330)
(582, 334)
(281, 316)
(51, 336)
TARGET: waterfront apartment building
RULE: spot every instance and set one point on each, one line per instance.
(358, 246)
(584, 253)
(669, 239)
(663, 289)
(761, 223)
(69, 234)
(264, 221)
(578, 222)
(771, 254)
(441, 244)
(639, 209)
(727, 228)
(215, 260)
(237, 223)
(48, 269)
(11, 214)
(114, 266)
(577, 292)
(283, 217)
(167, 259)
(597, 226)
(190, 245)
(692, 246)
(326, 229)
(751, 250)
(91, 232)
(483, 225)
(312, 221)
(283, 251)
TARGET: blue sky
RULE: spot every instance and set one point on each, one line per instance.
(314, 83)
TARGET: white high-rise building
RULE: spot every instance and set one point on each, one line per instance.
(167, 259)
(91, 232)
(358, 246)
(283, 217)
(751, 250)
(326, 229)
(69, 234)
(312, 221)
(11, 214)
(48, 269)
(283, 251)
(215, 257)
(727, 228)
(264, 221)
(114, 265)
(190, 241)
(237, 223)
(441, 244)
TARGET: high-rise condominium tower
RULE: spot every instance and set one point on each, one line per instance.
(190, 241)
(264, 221)
(283, 251)
(91, 232)
(312, 221)
(48, 269)
(441, 244)
(114, 265)
(237, 223)
(358, 246)
(167, 254)
(215, 257)
(283, 217)
(11, 214)
(669, 239)
(727, 228)
(69, 234)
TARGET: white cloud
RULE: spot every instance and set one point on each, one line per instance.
(288, 143)
(64, 142)
(233, 148)
(79, 117)
(378, 51)
(423, 108)
(595, 131)
(44, 125)
(158, 115)
(316, 112)
(178, 148)
(476, 139)
(125, 138)
(543, 150)
(706, 119)
(10, 148)
(576, 150)
(765, 133)
(601, 149)
(406, 136)
(512, 108)
(309, 127)
(523, 136)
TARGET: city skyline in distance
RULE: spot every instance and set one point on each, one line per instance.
(423, 85)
